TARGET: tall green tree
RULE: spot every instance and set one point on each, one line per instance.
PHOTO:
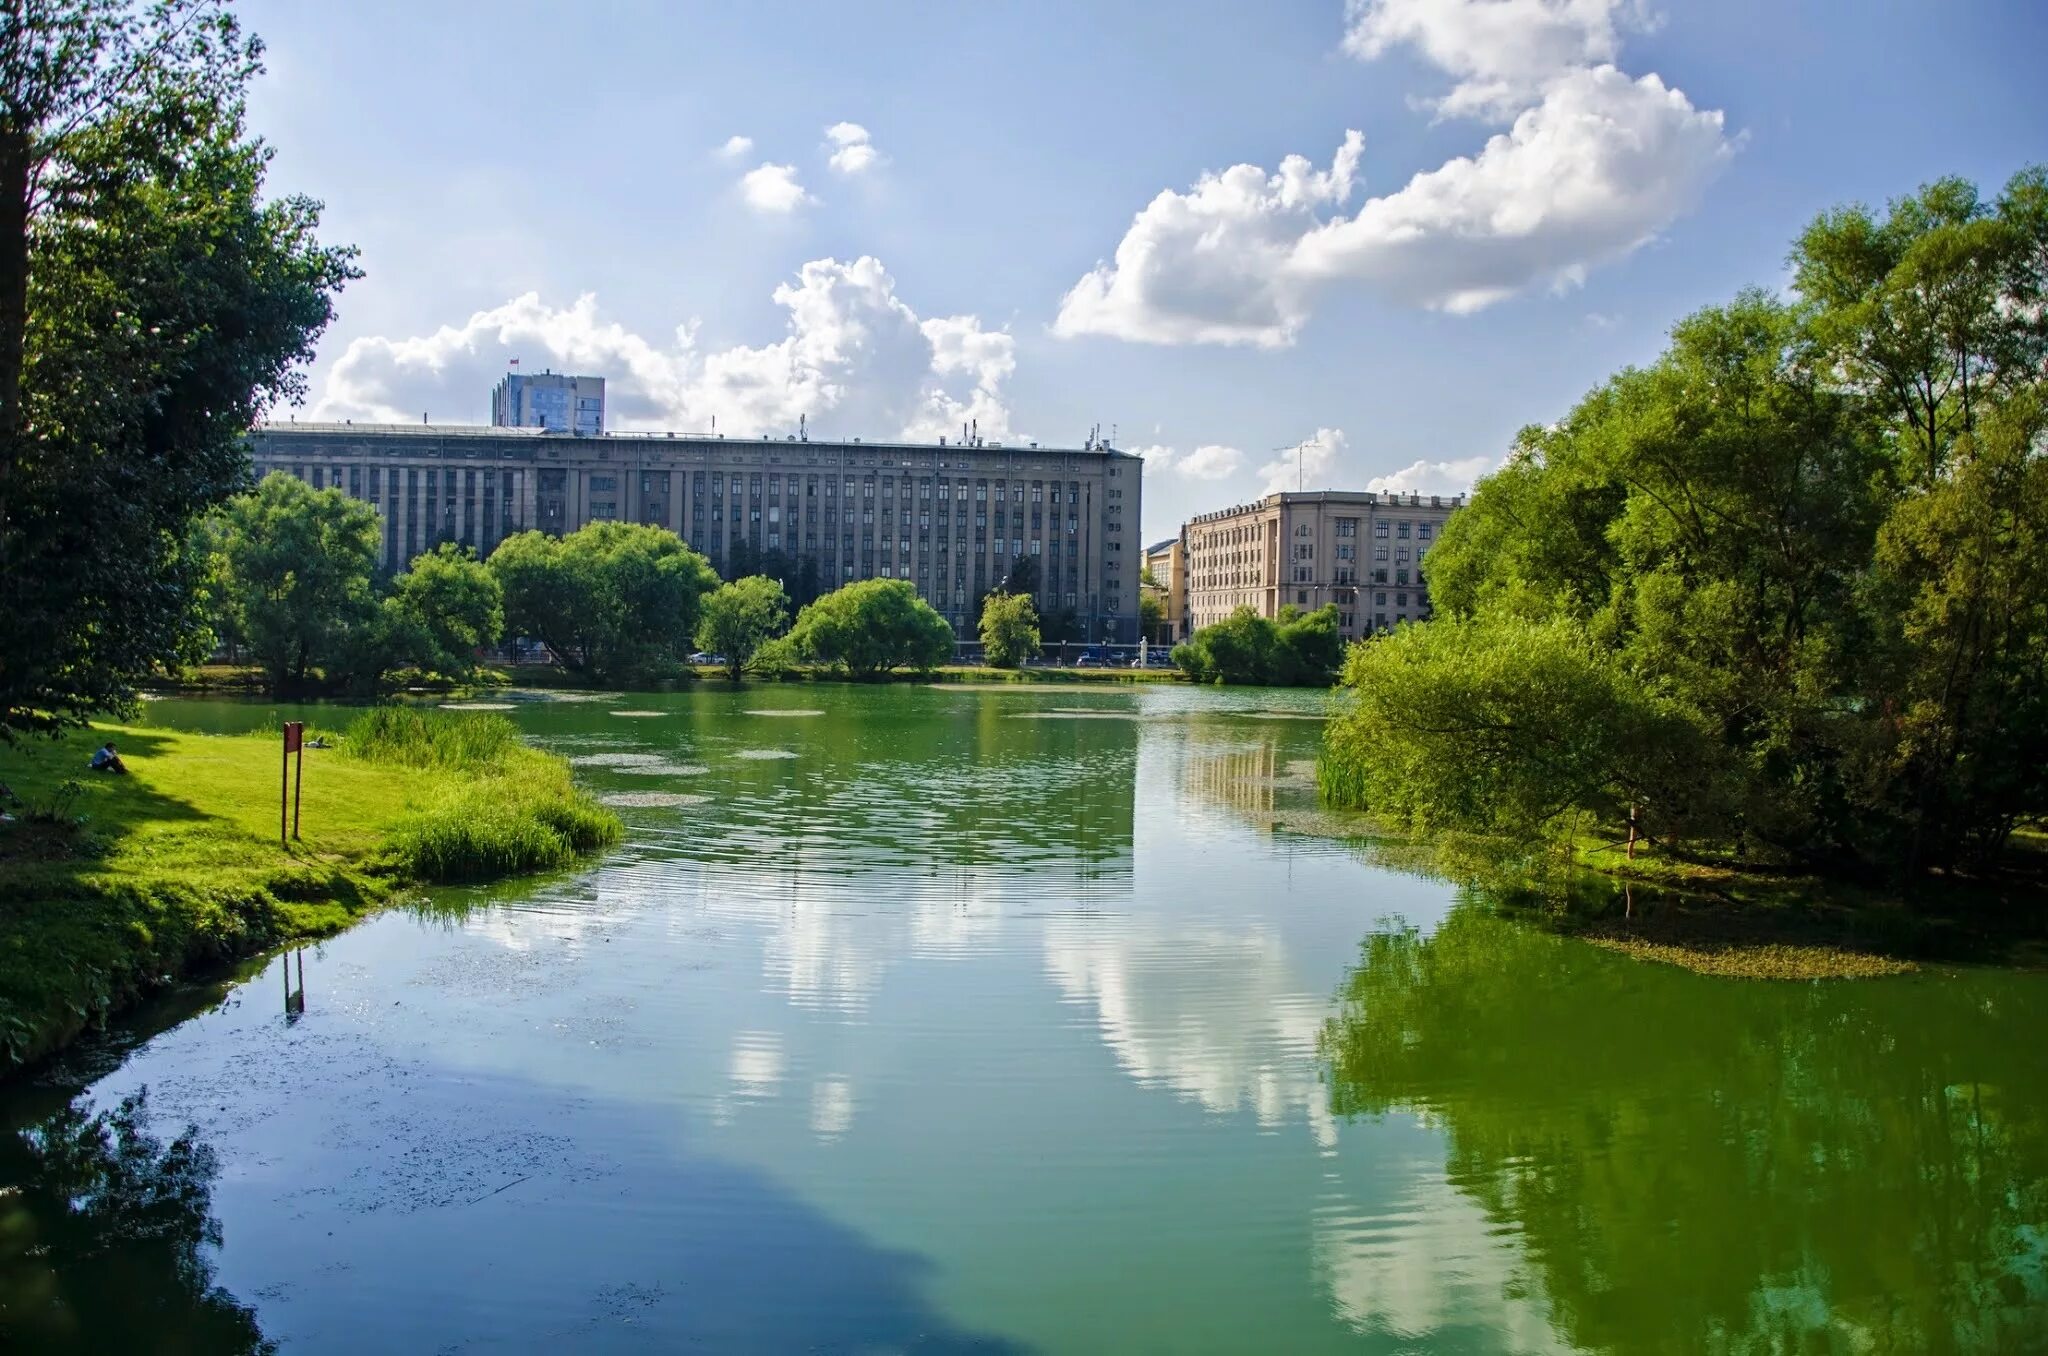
(447, 605)
(1936, 313)
(612, 601)
(740, 617)
(299, 566)
(1009, 629)
(1809, 539)
(873, 626)
(152, 304)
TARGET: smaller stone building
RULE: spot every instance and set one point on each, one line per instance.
(1362, 551)
(1168, 563)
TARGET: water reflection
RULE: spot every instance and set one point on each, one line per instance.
(1692, 1164)
(294, 999)
(957, 1023)
(106, 1233)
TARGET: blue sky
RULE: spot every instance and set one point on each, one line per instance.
(1033, 219)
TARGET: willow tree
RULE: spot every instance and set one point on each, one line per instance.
(1795, 571)
(152, 305)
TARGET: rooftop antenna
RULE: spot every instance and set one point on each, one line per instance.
(1300, 473)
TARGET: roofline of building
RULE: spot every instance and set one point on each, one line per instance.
(1363, 498)
(496, 431)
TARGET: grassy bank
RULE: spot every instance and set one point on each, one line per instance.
(111, 886)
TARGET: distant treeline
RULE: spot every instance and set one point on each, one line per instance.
(291, 581)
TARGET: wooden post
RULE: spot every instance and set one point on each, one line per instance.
(294, 733)
(298, 788)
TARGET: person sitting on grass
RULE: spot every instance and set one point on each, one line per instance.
(104, 759)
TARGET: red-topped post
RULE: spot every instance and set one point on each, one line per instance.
(294, 742)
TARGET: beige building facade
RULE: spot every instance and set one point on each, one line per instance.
(1168, 562)
(1361, 551)
(956, 520)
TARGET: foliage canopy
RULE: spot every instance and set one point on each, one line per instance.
(740, 617)
(872, 626)
(613, 601)
(1009, 629)
(1793, 572)
(1298, 649)
(152, 305)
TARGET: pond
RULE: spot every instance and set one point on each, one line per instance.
(1019, 1019)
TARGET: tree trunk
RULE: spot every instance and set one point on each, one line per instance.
(15, 156)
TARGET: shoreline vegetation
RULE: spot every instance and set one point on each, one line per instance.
(1772, 608)
(215, 680)
(112, 887)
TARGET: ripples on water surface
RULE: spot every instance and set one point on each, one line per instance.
(916, 1025)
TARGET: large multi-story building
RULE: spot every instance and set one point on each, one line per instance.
(1359, 550)
(957, 520)
(552, 401)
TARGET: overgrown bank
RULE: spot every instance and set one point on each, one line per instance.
(111, 886)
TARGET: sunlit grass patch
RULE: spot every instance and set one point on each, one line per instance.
(179, 865)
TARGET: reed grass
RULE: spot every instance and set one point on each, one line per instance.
(525, 816)
(513, 810)
(411, 737)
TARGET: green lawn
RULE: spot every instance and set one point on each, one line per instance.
(177, 866)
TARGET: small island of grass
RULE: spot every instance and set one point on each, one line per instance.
(111, 886)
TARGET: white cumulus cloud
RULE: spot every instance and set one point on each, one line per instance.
(1310, 465)
(1501, 52)
(1210, 461)
(1423, 476)
(853, 357)
(853, 150)
(1592, 165)
(736, 147)
(773, 189)
(1211, 265)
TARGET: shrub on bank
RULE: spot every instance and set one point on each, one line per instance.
(1299, 649)
(533, 819)
(517, 809)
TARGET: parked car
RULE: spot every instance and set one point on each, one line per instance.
(705, 657)
(1091, 659)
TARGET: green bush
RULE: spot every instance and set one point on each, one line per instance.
(872, 626)
(501, 826)
(1300, 649)
(518, 811)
